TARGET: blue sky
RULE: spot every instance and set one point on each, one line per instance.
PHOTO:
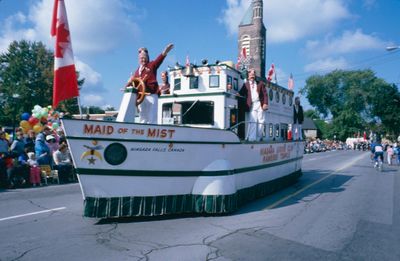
(304, 37)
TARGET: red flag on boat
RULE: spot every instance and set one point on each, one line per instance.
(187, 60)
(271, 72)
(291, 82)
(65, 82)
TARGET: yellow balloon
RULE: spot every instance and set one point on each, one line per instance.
(37, 128)
(24, 124)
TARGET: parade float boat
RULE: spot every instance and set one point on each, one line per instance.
(193, 160)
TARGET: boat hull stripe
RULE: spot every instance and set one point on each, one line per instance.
(177, 173)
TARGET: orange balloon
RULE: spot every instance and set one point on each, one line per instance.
(37, 128)
(24, 124)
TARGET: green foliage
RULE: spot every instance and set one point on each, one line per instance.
(323, 129)
(312, 114)
(26, 70)
(357, 101)
(94, 110)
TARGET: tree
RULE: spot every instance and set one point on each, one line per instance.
(356, 100)
(26, 70)
(312, 114)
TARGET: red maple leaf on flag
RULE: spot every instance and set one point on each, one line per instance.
(62, 40)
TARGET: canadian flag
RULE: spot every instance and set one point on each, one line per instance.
(65, 82)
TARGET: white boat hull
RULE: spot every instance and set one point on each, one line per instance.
(143, 170)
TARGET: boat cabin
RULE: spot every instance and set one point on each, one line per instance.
(207, 96)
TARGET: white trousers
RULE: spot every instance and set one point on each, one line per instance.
(148, 109)
(297, 132)
(256, 115)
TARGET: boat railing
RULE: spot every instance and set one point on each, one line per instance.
(255, 124)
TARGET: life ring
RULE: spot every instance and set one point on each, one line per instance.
(140, 86)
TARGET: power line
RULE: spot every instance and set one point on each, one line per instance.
(371, 61)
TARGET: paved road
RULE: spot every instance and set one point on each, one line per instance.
(341, 209)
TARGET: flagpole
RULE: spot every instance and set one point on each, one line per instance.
(79, 106)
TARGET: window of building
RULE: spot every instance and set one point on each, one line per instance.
(177, 84)
(277, 96)
(262, 48)
(214, 81)
(271, 94)
(194, 82)
(246, 44)
(290, 100)
(284, 98)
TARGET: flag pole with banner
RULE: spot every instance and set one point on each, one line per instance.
(65, 85)
(291, 82)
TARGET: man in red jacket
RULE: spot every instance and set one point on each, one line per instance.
(256, 104)
(147, 71)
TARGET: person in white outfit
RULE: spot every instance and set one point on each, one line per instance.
(256, 103)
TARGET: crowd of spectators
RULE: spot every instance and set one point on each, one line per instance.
(318, 145)
(391, 148)
(22, 156)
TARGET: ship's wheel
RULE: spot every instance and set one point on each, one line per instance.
(139, 85)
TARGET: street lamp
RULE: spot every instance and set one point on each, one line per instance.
(15, 97)
(392, 48)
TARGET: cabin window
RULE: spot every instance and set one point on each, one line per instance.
(277, 130)
(214, 81)
(233, 119)
(197, 112)
(177, 84)
(271, 130)
(169, 116)
(235, 84)
(271, 94)
(277, 96)
(167, 110)
(284, 130)
(194, 82)
(229, 81)
(284, 98)
(290, 100)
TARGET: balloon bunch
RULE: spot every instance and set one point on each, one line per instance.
(40, 117)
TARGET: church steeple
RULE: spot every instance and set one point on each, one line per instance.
(252, 36)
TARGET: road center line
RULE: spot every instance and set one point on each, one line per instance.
(33, 213)
(273, 205)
